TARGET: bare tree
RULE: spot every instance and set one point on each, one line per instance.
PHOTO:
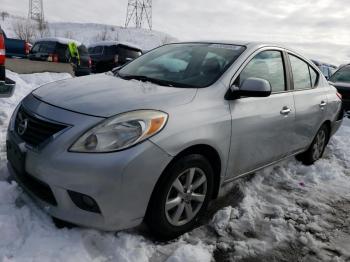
(68, 34)
(103, 35)
(43, 28)
(4, 15)
(24, 29)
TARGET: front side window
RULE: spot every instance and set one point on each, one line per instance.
(184, 65)
(266, 65)
(304, 76)
(342, 75)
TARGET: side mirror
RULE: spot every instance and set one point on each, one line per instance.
(254, 87)
(7, 88)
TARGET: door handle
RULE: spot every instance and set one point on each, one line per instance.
(285, 111)
(323, 104)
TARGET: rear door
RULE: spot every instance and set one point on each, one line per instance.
(310, 100)
(262, 127)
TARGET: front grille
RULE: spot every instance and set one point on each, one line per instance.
(34, 130)
(38, 188)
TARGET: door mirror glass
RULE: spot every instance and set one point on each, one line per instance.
(255, 87)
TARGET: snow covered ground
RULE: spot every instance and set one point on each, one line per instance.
(288, 212)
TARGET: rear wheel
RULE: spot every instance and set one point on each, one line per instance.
(181, 197)
(317, 147)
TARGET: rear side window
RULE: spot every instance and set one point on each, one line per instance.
(83, 50)
(304, 76)
(126, 53)
(267, 65)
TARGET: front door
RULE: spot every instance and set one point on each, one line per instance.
(262, 128)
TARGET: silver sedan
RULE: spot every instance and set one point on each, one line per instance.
(157, 139)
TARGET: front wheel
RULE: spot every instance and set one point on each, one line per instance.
(181, 197)
(317, 147)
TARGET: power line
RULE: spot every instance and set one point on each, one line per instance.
(138, 13)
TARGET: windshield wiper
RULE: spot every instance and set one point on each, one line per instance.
(155, 81)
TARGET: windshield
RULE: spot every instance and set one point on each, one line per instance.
(183, 65)
(342, 75)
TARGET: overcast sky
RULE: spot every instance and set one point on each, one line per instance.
(318, 28)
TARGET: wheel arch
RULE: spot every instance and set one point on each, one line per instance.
(209, 153)
(328, 124)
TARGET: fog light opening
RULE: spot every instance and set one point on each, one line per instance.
(84, 202)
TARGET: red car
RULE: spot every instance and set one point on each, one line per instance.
(7, 86)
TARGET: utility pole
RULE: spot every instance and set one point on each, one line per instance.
(36, 10)
(138, 13)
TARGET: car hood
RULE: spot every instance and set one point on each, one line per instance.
(105, 95)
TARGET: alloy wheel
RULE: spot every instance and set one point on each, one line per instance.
(186, 196)
(319, 144)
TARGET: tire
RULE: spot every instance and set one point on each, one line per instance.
(317, 147)
(168, 221)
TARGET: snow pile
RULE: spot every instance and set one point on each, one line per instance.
(289, 212)
(291, 204)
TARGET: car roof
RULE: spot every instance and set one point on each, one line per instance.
(237, 42)
(60, 40)
(111, 43)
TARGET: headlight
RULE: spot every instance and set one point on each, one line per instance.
(121, 131)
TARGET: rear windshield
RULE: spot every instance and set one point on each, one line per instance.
(184, 65)
(83, 51)
(44, 47)
(342, 75)
(96, 50)
(128, 52)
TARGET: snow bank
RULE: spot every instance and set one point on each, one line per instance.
(293, 203)
(88, 33)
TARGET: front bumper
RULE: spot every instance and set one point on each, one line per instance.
(121, 183)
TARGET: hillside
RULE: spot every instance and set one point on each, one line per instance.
(86, 33)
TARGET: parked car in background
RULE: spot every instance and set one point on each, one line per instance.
(341, 80)
(161, 137)
(7, 86)
(16, 47)
(107, 55)
(56, 49)
(326, 69)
